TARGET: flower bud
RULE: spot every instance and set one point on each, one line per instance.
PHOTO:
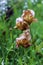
(24, 39)
(28, 15)
(21, 24)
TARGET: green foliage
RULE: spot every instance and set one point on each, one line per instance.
(11, 55)
(36, 29)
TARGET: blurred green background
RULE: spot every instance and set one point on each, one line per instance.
(9, 54)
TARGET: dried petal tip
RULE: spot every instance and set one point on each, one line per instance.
(32, 12)
(35, 19)
(19, 20)
(28, 45)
